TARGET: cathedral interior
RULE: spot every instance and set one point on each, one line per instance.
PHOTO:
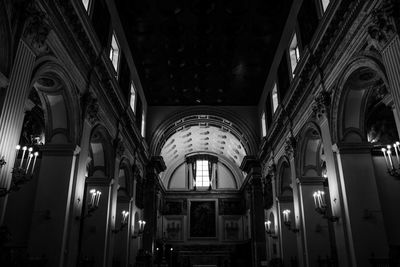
(199, 133)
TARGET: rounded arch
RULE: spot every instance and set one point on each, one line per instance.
(60, 101)
(310, 155)
(351, 92)
(284, 177)
(226, 120)
(100, 152)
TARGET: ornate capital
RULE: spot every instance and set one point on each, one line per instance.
(36, 28)
(290, 146)
(119, 147)
(383, 27)
(90, 106)
(321, 104)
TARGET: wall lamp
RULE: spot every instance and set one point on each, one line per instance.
(287, 222)
(24, 172)
(321, 207)
(93, 204)
(269, 230)
(124, 221)
(140, 230)
(389, 159)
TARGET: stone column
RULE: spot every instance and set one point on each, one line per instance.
(51, 212)
(155, 166)
(342, 246)
(290, 150)
(252, 167)
(12, 113)
(360, 197)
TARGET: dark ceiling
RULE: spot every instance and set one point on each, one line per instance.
(203, 52)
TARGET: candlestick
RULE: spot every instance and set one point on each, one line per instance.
(29, 162)
(23, 154)
(396, 148)
(386, 160)
(389, 152)
(34, 161)
(18, 147)
(93, 195)
(98, 193)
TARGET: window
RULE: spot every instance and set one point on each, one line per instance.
(133, 98)
(263, 125)
(202, 173)
(325, 4)
(294, 53)
(275, 101)
(142, 129)
(114, 52)
(86, 4)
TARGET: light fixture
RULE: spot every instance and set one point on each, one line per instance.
(389, 159)
(269, 230)
(140, 231)
(321, 207)
(93, 203)
(287, 222)
(124, 221)
(24, 172)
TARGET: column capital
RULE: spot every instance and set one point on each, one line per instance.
(36, 29)
(249, 163)
(158, 164)
(321, 104)
(91, 105)
(383, 24)
(290, 146)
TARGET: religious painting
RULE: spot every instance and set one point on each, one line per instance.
(203, 219)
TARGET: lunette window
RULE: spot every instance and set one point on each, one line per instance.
(133, 97)
(294, 53)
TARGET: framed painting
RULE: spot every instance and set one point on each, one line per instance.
(202, 219)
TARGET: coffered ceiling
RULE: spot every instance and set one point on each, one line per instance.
(203, 52)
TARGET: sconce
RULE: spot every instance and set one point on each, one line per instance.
(140, 230)
(124, 221)
(23, 173)
(287, 222)
(93, 204)
(268, 229)
(321, 207)
(390, 165)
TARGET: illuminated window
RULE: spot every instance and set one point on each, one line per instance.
(114, 52)
(294, 53)
(143, 124)
(325, 4)
(133, 98)
(275, 101)
(86, 4)
(202, 173)
(263, 125)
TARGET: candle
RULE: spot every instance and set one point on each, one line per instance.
(34, 161)
(98, 193)
(23, 154)
(268, 225)
(386, 160)
(396, 148)
(93, 195)
(315, 199)
(18, 147)
(29, 162)
(389, 152)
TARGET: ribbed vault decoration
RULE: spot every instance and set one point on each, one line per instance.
(203, 134)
